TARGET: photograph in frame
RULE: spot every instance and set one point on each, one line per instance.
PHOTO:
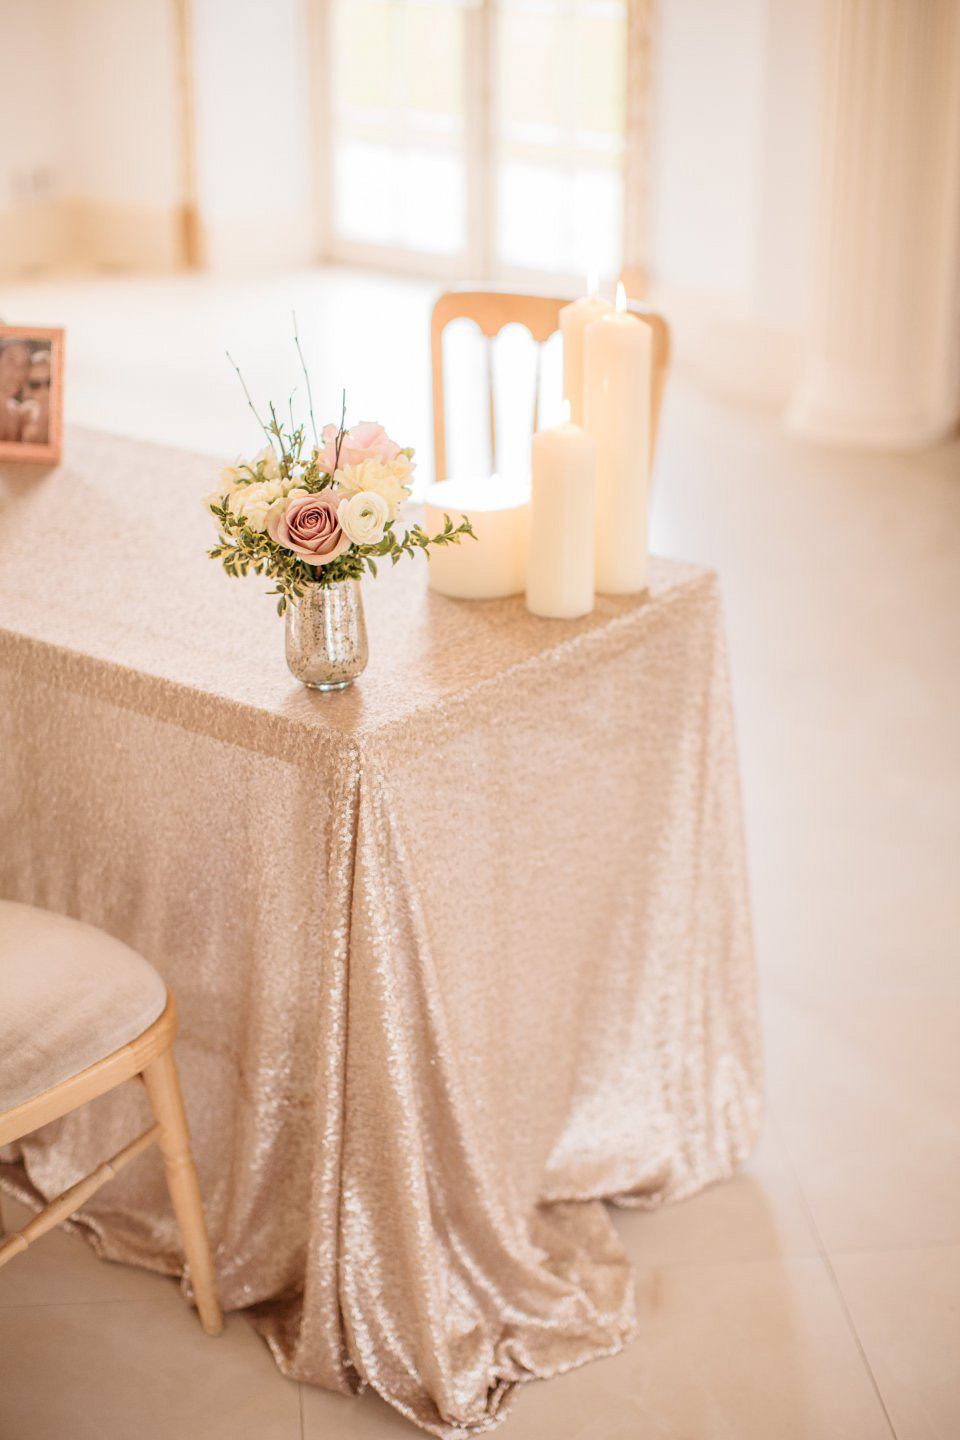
(31, 393)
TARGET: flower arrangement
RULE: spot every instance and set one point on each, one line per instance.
(316, 515)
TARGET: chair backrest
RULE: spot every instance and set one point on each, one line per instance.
(491, 310)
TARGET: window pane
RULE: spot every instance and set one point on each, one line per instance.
(406, 197)
(554, 219)
(559, 123)
(399, 125)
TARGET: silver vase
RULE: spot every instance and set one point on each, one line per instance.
(326, 637)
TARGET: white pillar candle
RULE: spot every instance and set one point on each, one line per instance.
(574, 319)
(560, 564)
(493, 565)
(617, 371)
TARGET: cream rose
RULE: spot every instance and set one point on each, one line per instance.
(230, 480)
(267, 458)
(363, 517)
(389, 479)
(253, 503)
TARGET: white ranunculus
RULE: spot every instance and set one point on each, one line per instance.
(389, 479)
(363, 517)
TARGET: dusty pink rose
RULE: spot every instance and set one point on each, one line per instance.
(366, 441)
(309, 527)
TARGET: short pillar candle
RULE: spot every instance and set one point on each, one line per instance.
(495, 563)
(560, 563)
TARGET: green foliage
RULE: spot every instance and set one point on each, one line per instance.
(242, 550)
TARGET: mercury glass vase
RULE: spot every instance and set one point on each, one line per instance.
(326, 636)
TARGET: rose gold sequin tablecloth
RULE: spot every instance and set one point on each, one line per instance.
(456, 952)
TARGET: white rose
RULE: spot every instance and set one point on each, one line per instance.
(230, 479)
(363, 517)
(391, 480)
(253, 503)
(267, 457)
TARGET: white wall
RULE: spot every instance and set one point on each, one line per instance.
(34, 171)
(255, 154)
(32, 128)
(708, 65)
(89, 133)
(124, 123)
(91, 165)
(789, 166)
(735, 134)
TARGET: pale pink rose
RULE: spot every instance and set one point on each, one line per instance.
(366, 441)
(308, 526)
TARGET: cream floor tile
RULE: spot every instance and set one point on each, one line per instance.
(353, 1417)
(122, 1369)
(906, 1307)
(867, 1094)
(756, 1215)
(841, 581)
(63, 1268)
(755, 1351)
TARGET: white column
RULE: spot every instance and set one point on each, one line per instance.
(883, 366)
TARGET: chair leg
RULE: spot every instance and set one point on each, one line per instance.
(163, 1088)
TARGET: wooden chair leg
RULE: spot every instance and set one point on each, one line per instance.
(163, 1088)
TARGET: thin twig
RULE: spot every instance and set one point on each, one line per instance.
(276, 429)
(297, 432)
(306, 376)
(343, 422)
(249, 399)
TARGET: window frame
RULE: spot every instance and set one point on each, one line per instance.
(477, 260)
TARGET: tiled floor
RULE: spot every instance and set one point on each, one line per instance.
(816, 1296)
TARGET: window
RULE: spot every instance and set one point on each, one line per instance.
(559, 128)
(397, 76)
(475, 137)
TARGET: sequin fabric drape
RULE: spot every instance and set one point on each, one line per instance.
(458, 953)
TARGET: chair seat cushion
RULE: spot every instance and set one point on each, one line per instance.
(69, 996)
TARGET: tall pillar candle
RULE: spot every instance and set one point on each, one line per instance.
(560, 557)
(617, 372)
(574, 319)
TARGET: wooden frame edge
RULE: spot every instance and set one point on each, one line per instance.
(49, 454)
(97, 1079)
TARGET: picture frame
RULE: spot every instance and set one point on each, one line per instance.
(31, 393)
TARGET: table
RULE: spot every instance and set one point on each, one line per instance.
(457, 952)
